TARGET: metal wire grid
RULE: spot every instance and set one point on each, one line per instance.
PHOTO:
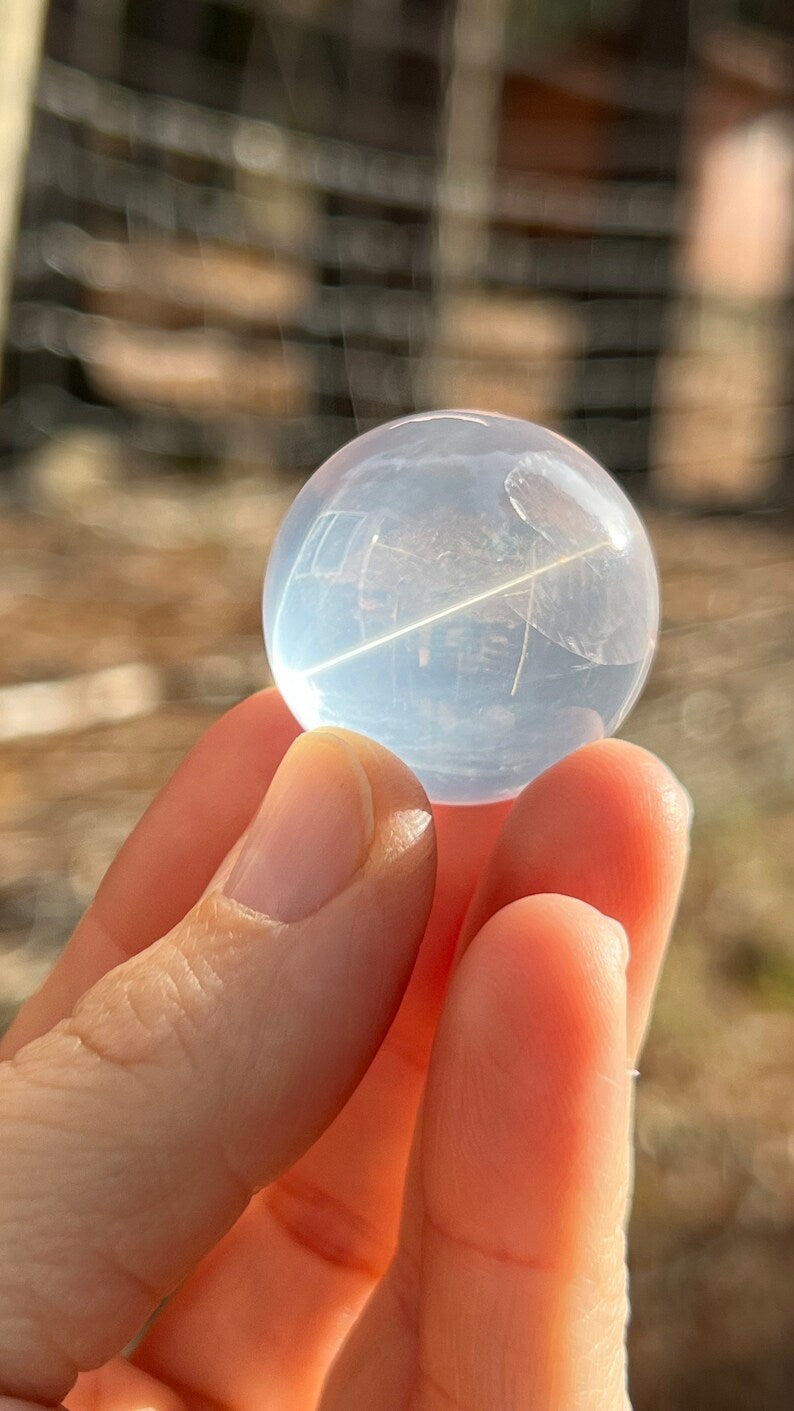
(109, 161)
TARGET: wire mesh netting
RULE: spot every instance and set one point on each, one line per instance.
(255, 226)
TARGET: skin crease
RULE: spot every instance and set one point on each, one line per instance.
(422, 1237)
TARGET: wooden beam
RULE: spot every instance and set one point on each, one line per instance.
(21, 39)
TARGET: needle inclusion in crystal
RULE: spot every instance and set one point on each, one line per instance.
(472, 590)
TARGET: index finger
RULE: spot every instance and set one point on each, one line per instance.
(609, 825)
(170, 856)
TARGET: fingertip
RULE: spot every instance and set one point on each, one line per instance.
(622, 769)
(614, 783)
(547, 971)
(608, 824)
(403, 818)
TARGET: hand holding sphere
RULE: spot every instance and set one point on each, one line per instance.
(381, 1152)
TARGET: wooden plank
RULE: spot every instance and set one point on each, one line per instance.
(21, 38)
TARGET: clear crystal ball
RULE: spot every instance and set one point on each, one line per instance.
(471, 590)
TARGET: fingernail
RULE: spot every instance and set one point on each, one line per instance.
(312, 833)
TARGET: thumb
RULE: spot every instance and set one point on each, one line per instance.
(135, 1132)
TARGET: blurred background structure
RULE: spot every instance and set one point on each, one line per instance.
(250, 228)
(257, 224)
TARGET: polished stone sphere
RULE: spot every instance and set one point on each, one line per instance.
(471, 590)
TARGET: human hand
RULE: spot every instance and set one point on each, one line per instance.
(422, 1237)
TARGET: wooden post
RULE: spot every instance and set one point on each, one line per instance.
(470, 130)
(469, 142)
(21, 38)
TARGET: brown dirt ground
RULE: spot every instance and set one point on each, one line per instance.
(167, 573)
